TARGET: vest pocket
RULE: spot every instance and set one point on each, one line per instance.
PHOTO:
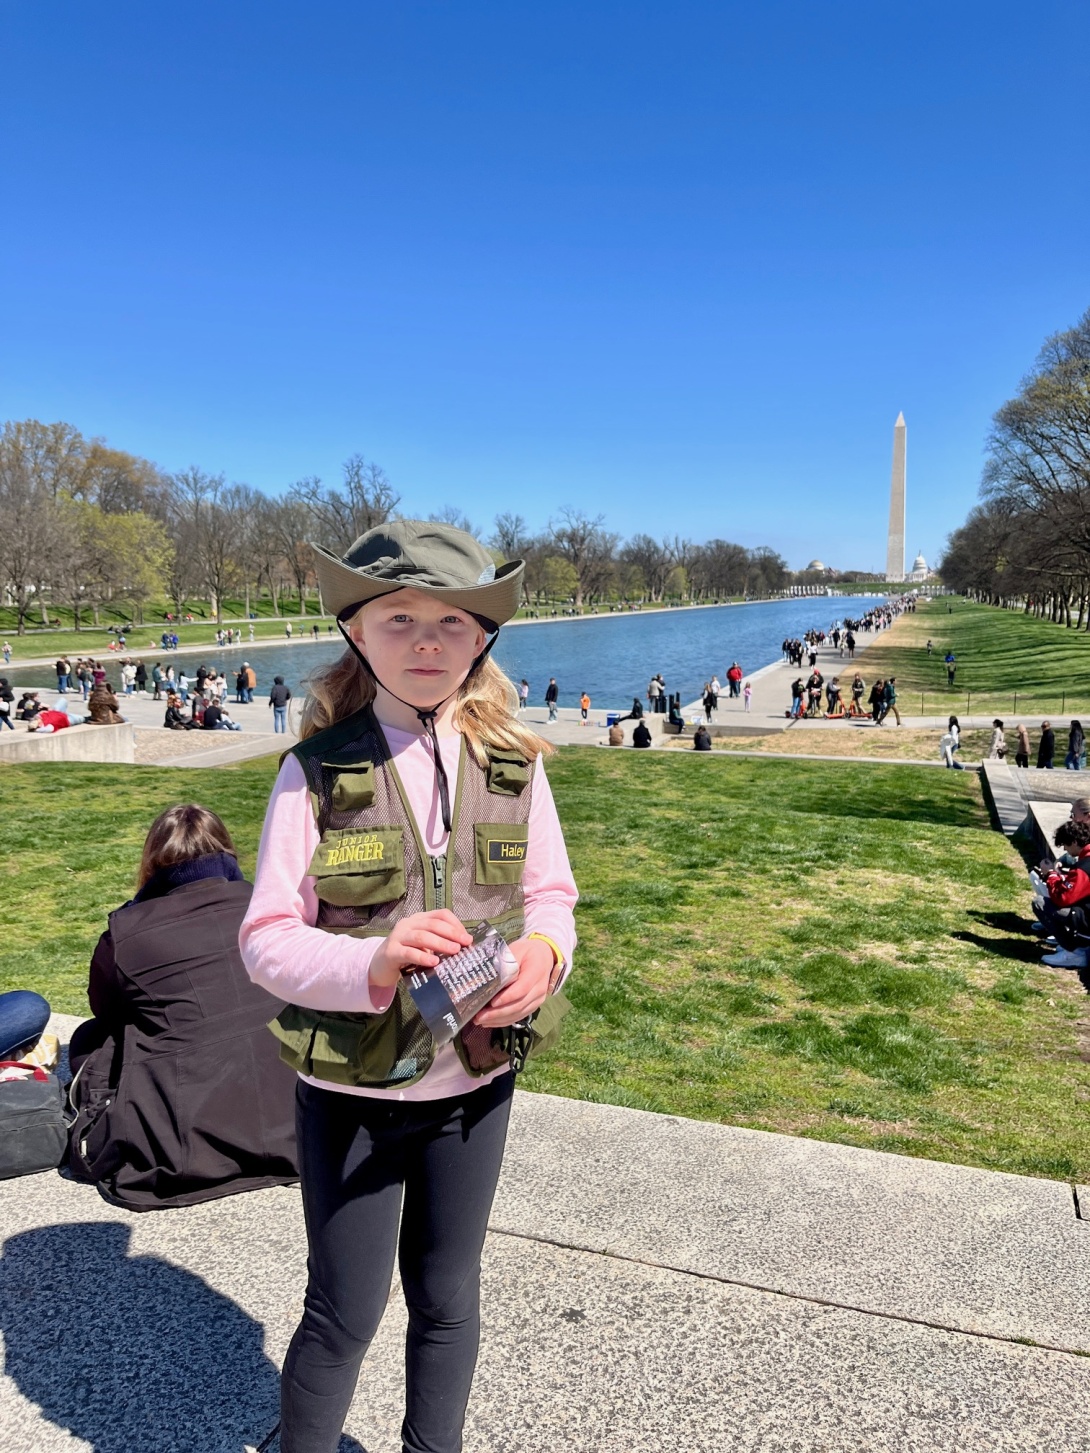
(380, 1050)
(353, 785)
(507, 774)
(358, 866)
(500, 851)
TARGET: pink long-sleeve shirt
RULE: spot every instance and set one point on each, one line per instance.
(287, 955)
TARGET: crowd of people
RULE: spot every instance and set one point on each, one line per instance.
(1061, 893)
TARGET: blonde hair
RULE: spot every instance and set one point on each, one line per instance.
(179, 835)
(484, 712)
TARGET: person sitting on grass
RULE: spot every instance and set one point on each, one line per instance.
(1063, 913)
(179, 1091)
(702, 739)
(641, 737)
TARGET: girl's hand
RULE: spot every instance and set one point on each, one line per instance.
(527, 991)
(417, 942)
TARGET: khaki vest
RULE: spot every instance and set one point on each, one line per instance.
(372, 867)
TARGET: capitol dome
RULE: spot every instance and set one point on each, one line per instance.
(919, 569)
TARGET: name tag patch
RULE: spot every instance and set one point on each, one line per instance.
(500, 851)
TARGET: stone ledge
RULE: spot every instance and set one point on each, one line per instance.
(84, 743)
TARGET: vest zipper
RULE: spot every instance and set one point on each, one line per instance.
(439, 880)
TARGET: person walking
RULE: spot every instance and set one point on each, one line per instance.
(1076, 747)
(250, 681)
(951, 667)
(1021, 753)
(1047, 748)
(7, 698)
(279, 696)
(524, 694)
(889, 701)
(552, 695)
(401, 1138)
(709, 700)
(998, 749)
(747, 695)
(584, 706)
(62, 669)
(141, 678)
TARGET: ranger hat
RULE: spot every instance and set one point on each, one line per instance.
(420, 555)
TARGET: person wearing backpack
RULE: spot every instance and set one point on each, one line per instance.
(414, 808)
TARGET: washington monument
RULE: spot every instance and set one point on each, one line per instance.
(895, 547)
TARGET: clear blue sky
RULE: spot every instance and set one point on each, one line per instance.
(678, 263)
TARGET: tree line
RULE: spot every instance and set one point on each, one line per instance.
(1027, 544)
(84, 525)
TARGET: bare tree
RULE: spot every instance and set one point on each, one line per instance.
(587, 547)
(452, 515)
(340, 516)
(511, 537)
(29, 529)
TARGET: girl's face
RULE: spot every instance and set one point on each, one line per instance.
(419, 648)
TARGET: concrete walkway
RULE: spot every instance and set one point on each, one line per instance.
(649, 1283)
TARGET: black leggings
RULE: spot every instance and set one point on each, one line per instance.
(358, 1155)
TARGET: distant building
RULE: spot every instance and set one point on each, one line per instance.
(919, 571)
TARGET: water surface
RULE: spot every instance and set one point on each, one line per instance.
(612, 657)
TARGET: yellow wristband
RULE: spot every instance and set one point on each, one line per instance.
(558, 957)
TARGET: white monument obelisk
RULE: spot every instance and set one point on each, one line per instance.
(895, 546)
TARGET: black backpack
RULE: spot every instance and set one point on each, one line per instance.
(33, 1131)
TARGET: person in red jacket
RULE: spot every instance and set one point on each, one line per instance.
(1065, 911)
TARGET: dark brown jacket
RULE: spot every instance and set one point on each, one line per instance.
(102, 707)
(180, 1092)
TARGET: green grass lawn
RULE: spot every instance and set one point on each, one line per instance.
(802, 947)
(1001, 655)
(144, 640)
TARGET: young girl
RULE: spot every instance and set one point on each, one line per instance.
(415, 805)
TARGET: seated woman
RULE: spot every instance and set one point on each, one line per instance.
(102, 705)
(173, 718)
(702, 739)
(178, 1086)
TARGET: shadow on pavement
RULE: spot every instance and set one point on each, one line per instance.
(128, 1352)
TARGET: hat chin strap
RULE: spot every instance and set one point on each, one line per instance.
(426, 715)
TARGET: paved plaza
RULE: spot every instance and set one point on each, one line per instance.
(649, 1283)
